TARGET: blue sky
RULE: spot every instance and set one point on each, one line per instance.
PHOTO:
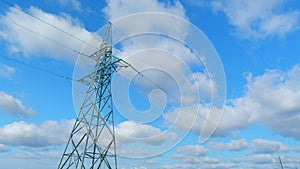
(257, 43)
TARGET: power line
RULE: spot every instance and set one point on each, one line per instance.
(43, 36)
(38, 68)
(49, 24)
(140, 73)
(150, 80)
(68, 47)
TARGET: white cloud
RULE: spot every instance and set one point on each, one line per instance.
(271, 99)
(178, 165)
(29, 43)
(119, 8)
(263, 150)
(143, 51)
(236, 115)
(49, 135)
(193, 150)
(179, 72)
(178, 156)
(186, 118)
(197, 160)
(4, 148)
(13, 106)
(130, 131)
(218, 146)
(36, 153)
(135, 139)
(233, 145)
(276, 94)
(210, 160)
(253, 161)
(25, 155)
(194, 117)
(259, 19)
(268, 146)
(141, 167)
(196, 157)
(172, 74)
(7, 71)
(220, 166)
(173, 71)
(23, 134)
(74, 4)
(237, 145)
(257, 159)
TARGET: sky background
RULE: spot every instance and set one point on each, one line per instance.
(257, 43)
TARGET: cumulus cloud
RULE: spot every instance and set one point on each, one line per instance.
(118, 8)
(261, 153)
(7, 71)
(195, 156)
(50, 134)
(47, 41)
(171, 75)
(233, 145)
(253, 158)
(236, 116)
(186, 118)
(37, 155)
(276, 94)
(130, 131)
(135, 139)
(4, 148)
(257, 159)
(178, 165)
(23, 134)
(193, 150)
(13, 106)
(271, 99)
(201, 165)
(259, 19)
(73, 4)
(267, 146)
(256, 146)
(237, 145)
(179, 74)
(220, 166)
(143, 51)
(197, 160)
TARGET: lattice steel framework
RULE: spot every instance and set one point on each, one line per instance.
(92, 141)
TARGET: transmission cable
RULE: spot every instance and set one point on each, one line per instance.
(43, 36)
(147, 78)
(74, 50)
(45, 22)
(38, 68)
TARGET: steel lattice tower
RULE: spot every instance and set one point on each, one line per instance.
(92, 141)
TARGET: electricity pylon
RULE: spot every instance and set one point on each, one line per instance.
(92, 141)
